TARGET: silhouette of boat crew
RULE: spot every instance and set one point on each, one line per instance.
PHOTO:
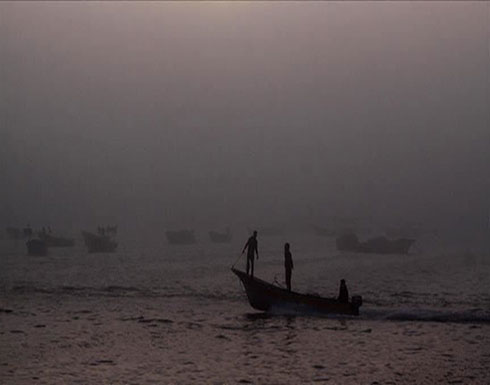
(252, 248)
(288, 265)
(343, 292)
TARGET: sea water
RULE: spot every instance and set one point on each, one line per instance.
(153, 313)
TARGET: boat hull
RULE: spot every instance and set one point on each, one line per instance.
(182, 237)
(98, 243)
(37, 247)
(379, 245)
(219, 237)
(53, 241)
(265, 296)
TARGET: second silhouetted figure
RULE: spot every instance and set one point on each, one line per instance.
(288, 265)
(252, 249)
(343, 292)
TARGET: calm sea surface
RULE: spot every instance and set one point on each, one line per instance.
(153, 313)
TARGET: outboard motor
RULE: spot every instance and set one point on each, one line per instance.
(356, 300)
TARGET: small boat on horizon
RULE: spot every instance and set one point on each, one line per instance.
(99, 243)
(377, 245)
(217, 237)
(37, 247)
(181, 237)
(323, 231)
(56, 241)
(111, 230)
(266, 231)
(265, 296)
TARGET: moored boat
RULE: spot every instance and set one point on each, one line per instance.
(99, 243)
(111, 230)
(181, 237)
(217, 237)
(377, 245)
(267, 231)
(53, 241)
(323, 231)
(265, 296)
(37, 247)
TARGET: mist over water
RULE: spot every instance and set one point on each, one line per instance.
(276, 116)
(186, 114)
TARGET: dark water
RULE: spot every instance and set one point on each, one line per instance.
(155, 313)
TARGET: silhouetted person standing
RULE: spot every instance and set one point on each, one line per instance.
(288, 265)
(343, 292)
(252, 249)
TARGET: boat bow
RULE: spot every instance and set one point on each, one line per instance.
(265, 296)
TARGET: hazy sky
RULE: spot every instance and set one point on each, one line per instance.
(180, 114)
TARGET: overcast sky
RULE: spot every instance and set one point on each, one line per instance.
(261, 112)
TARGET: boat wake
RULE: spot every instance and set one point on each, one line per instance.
(476, 315)
(295, 310)
(469, 316)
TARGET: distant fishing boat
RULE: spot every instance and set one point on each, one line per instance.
(264, 296)
(378, 245)
(267, 231)
(37, 247)
(99, 243)
(111, 230)
(217, 237)
(323, 232)
(52, 241)
(181, 237)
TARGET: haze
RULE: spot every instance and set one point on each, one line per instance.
(167, 114)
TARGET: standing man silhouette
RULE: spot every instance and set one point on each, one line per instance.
(252, 249)
(343, 292)
(288, 265)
